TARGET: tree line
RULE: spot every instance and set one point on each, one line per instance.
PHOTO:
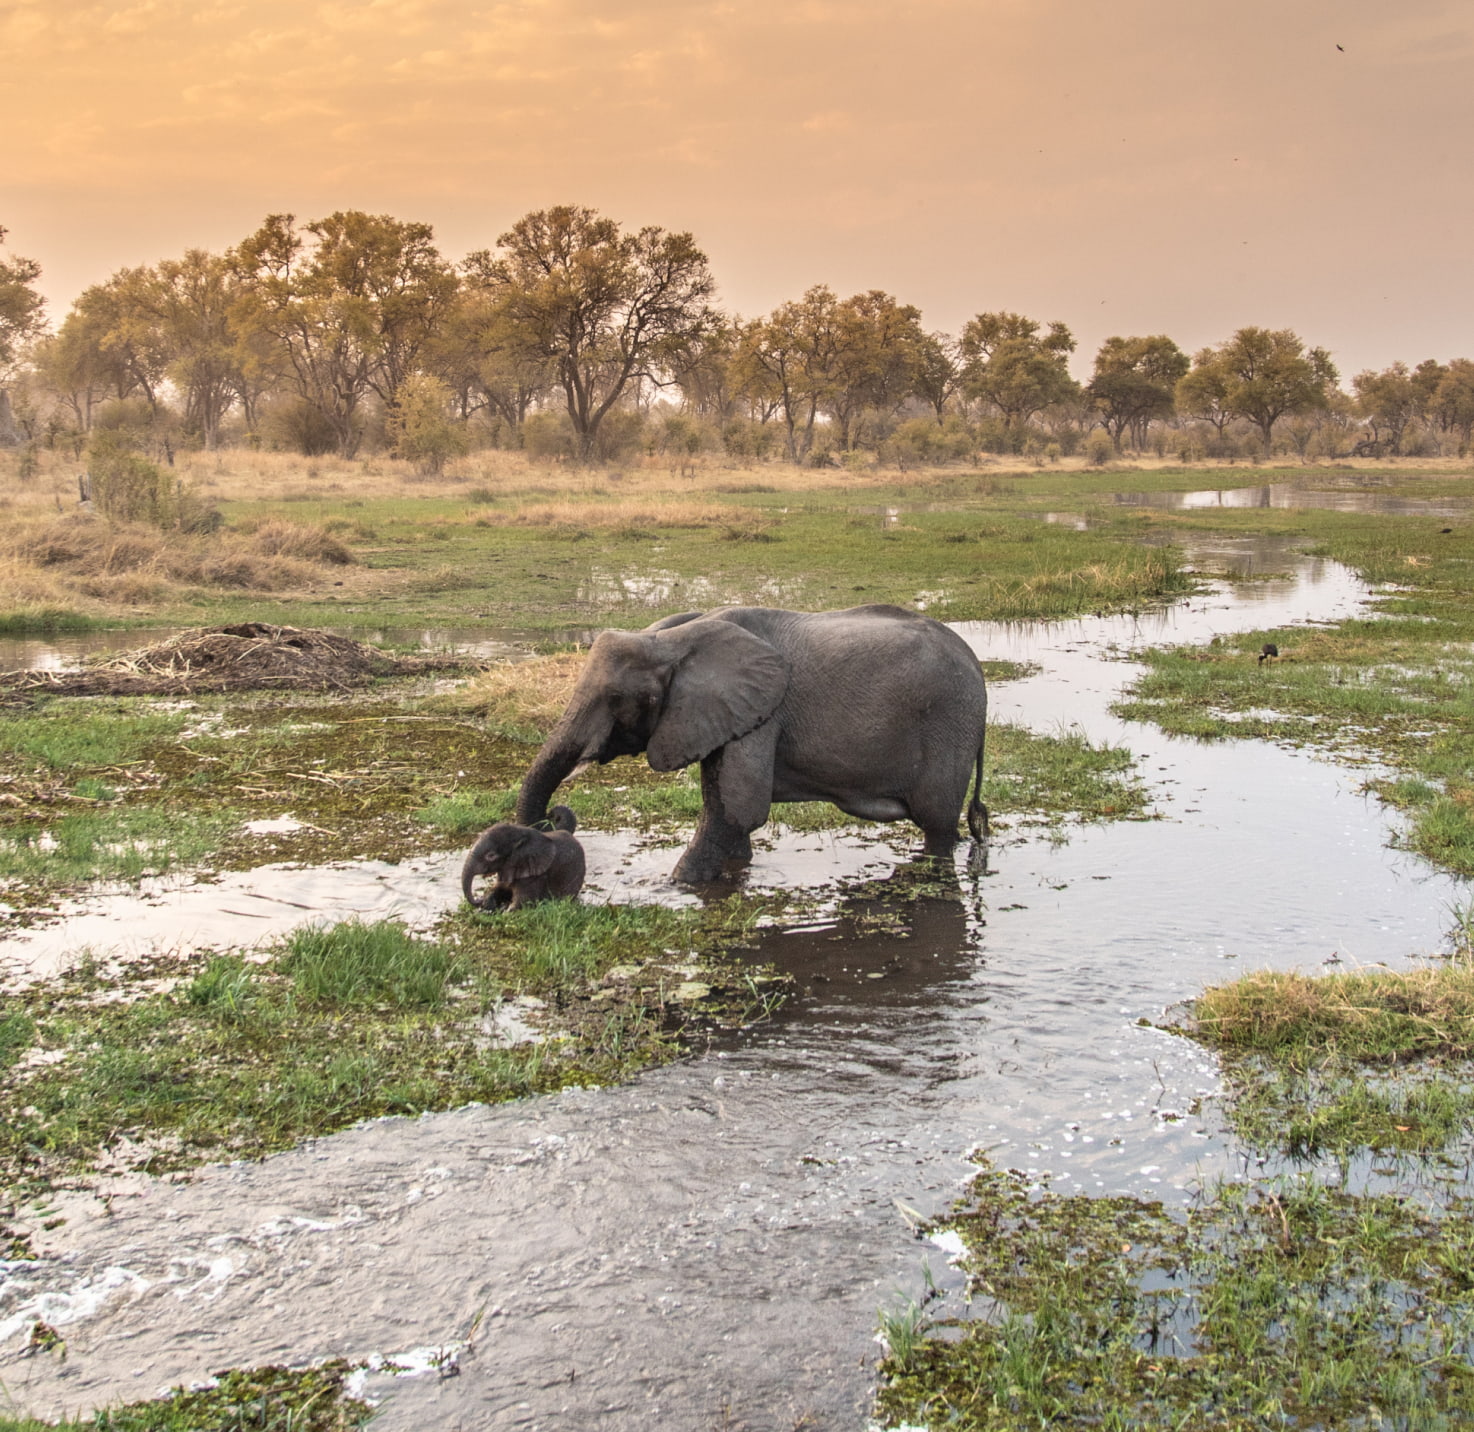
(576, 338)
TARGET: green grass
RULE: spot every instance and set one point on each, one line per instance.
(361, 963)
(1337, 1064)
(345, 1023)
(64, 735)
(1375, 1015)
(263, 1399)
(1038, 779)
(47, 621)
(821, 549)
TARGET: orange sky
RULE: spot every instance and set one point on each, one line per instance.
(1128, 166)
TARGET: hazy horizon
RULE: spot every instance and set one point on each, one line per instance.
(1132, 169)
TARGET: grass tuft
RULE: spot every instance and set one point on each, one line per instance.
(362, 963)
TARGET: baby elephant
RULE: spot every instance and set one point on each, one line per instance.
(529, 865)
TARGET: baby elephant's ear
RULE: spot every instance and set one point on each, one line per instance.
(530, 858)
(724, 681)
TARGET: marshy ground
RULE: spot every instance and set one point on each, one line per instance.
(934, 1019)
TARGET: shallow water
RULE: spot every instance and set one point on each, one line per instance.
(708, 1247)
(1293, 495)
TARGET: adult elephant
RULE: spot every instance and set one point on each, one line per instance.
(877, 709)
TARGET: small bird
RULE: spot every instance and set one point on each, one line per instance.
(1342, 48)
(1268, 650)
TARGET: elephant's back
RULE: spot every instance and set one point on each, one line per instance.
(878, 701)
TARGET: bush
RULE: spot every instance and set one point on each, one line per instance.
(1099, 449)
(547, 436)
(278, 538)
(421, 428)
(744, 438)
(299, 426)
(127, 488)
(922, 442)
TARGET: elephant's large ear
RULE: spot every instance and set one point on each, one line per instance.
(724, 682)
(532, 857)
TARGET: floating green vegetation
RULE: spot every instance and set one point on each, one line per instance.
(261, 1399)
(350, 1022)
(1287, 1304)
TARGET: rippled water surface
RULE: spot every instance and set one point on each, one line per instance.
(708, 1247)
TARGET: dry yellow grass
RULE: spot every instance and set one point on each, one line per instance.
(523, 697)
(53, 559)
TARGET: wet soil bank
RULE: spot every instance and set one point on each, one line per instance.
(708, 1247)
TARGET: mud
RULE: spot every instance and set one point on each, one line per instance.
(708, 1247)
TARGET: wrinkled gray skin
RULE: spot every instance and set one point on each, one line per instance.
(529, 865)
(877, 709)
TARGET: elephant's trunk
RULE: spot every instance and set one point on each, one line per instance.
(554, 763)
(469, 871)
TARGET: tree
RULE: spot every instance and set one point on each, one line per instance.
(108, 341)
(22, 317)
(1202, 392)
(1261, 374)
(874, 359)
(1389, 401)
(344, 306)
(480, 354)
(939, 372)
(703, 372)
(604, 309)
(179, 312)
(1135, 382)
(787, 360)
(1015, 368)
(1453, 400)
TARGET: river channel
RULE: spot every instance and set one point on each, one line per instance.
(708, 1246)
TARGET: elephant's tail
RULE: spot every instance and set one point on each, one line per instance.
(977, 812)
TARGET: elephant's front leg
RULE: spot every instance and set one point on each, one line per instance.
(736, 791)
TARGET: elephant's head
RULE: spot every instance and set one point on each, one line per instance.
(509, 852)
(677, 690)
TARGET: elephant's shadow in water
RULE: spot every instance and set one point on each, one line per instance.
(897, 942)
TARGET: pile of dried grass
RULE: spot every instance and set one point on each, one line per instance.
(249, 656)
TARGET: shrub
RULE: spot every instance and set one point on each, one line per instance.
(1099, 449)
(278, 538)
(125, 487)
(299, 426)
(421, 428)
(547, 436)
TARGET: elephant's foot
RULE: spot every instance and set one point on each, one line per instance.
(940, 843)
(709, 861)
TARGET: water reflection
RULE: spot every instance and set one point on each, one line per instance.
(1293, 495)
